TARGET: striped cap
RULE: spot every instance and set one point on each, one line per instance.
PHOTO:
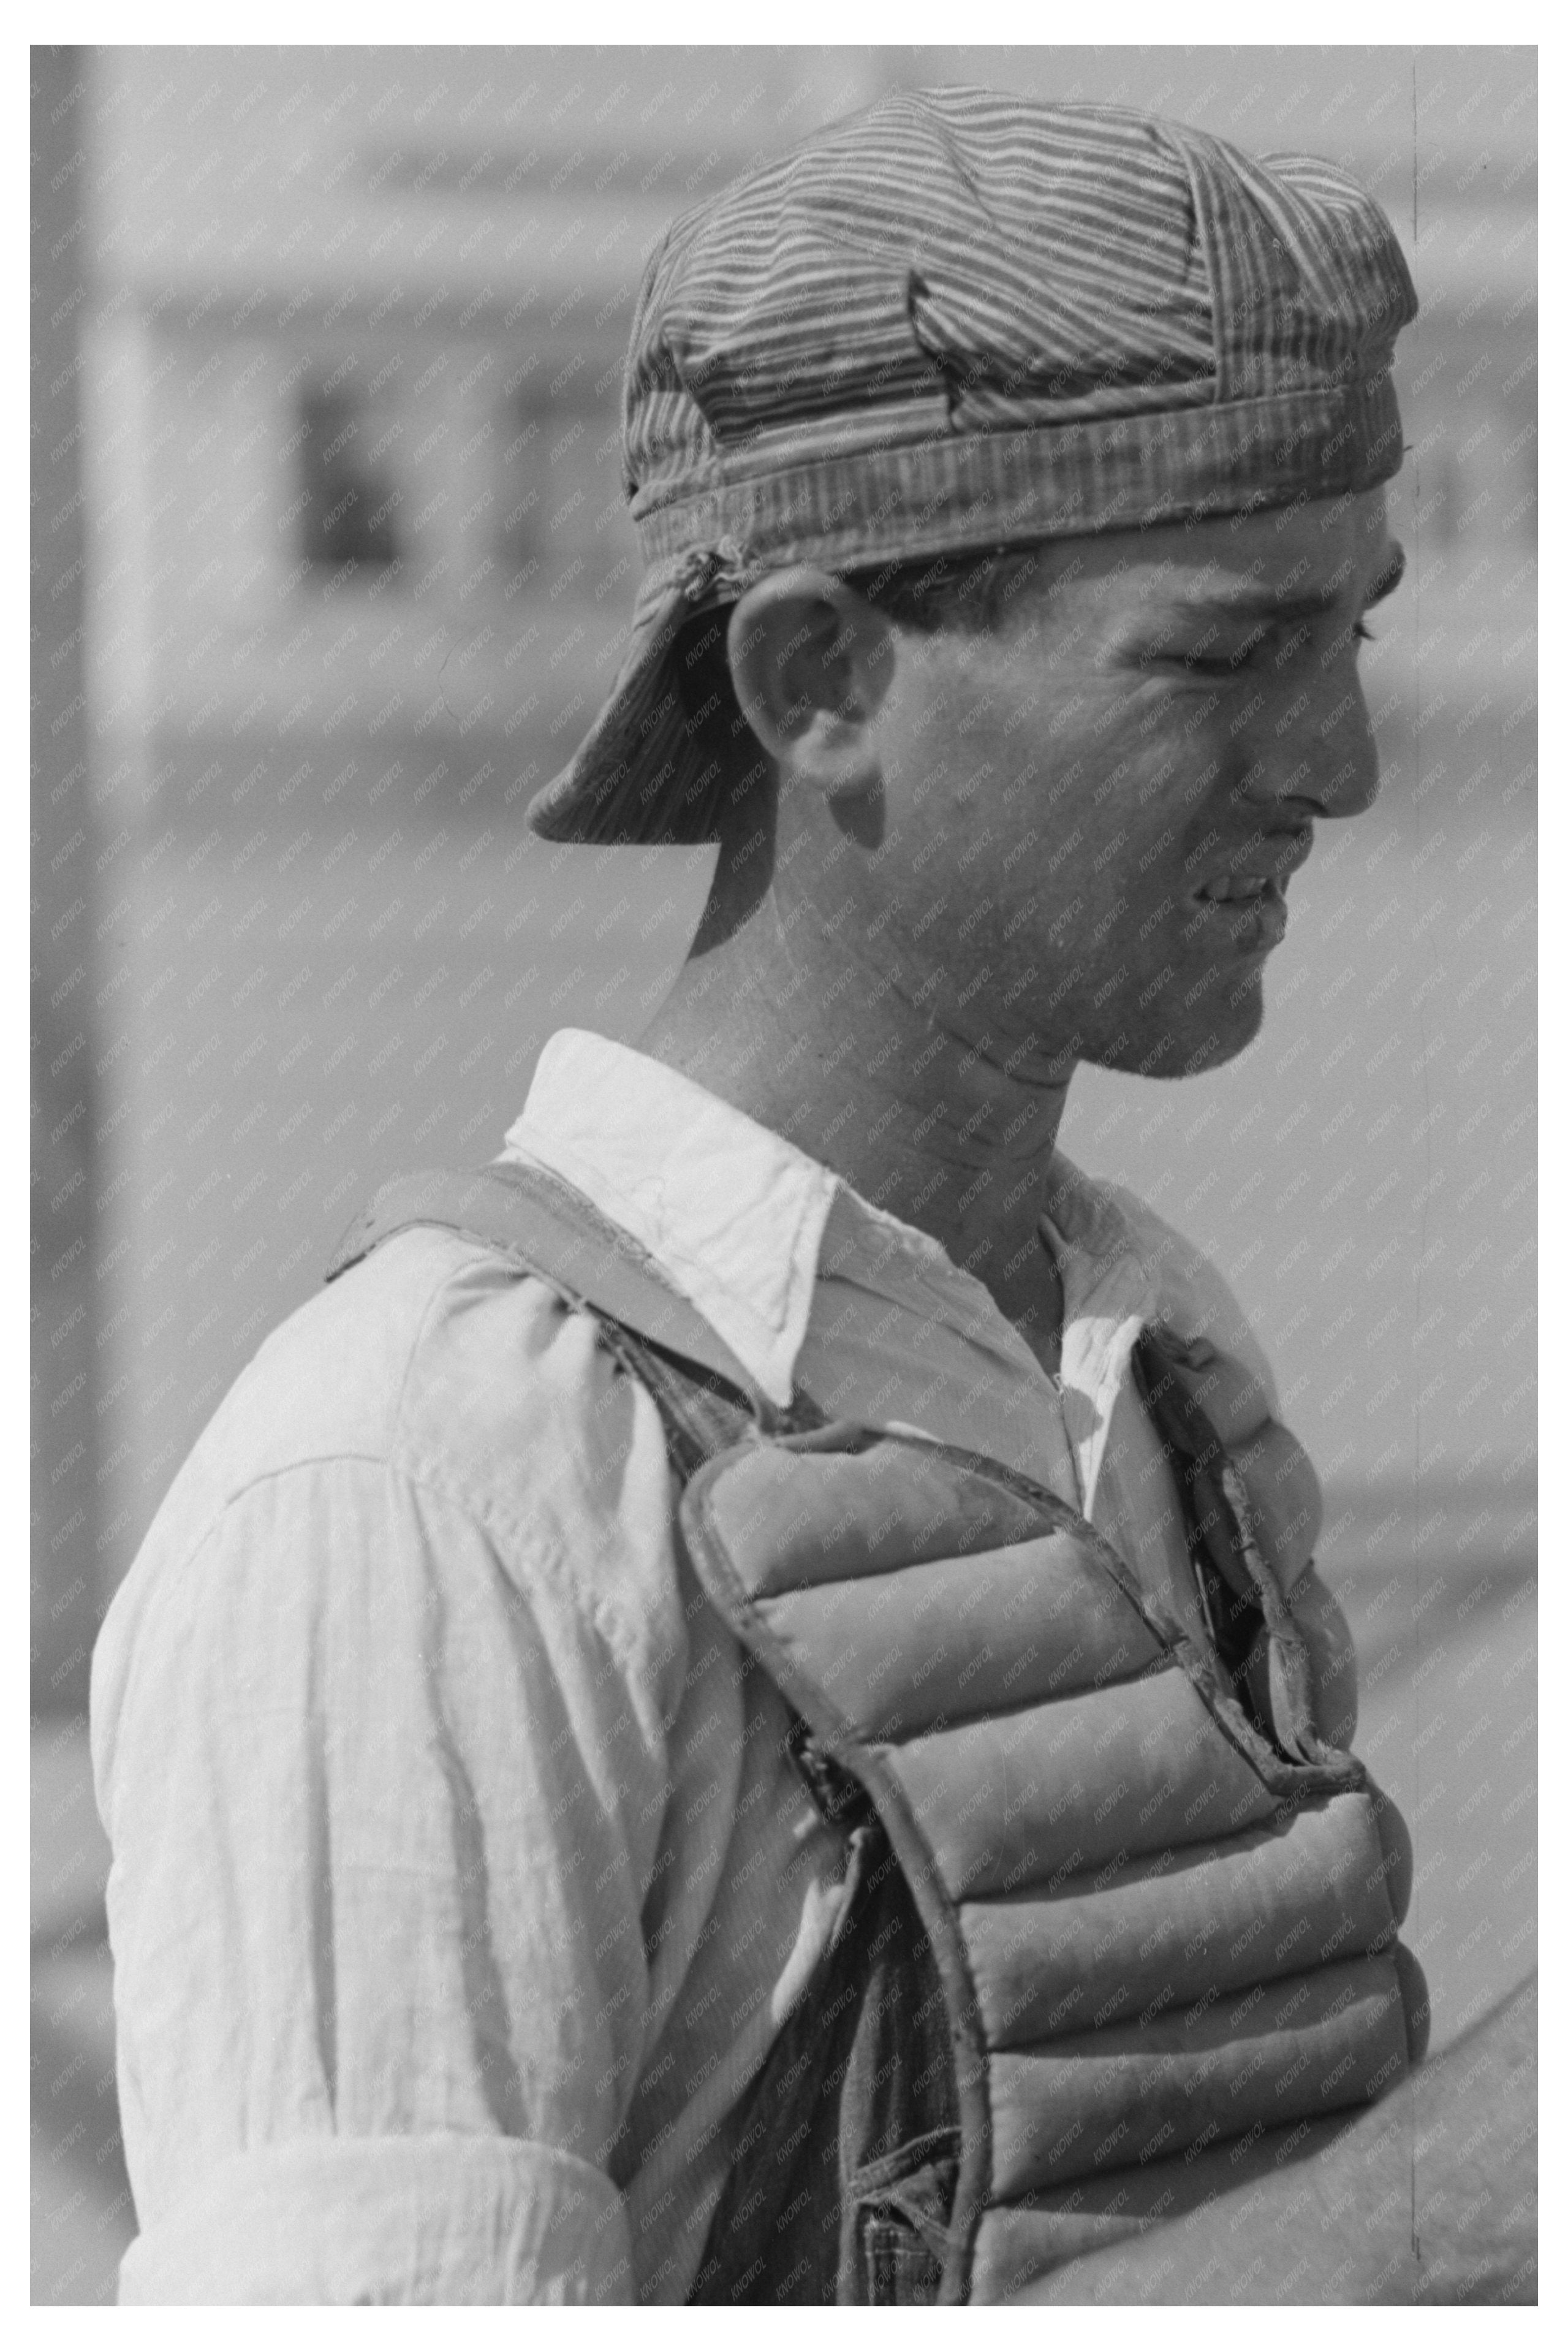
(962, 321)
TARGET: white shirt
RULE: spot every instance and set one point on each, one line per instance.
(461, 1880)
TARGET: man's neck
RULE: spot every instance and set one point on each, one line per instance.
(801, 1024)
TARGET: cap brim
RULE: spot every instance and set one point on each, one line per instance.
(640, 774)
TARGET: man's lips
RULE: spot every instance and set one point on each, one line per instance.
(1255, 918)
(1248, 894)
(1236, 888)
(1252, 874)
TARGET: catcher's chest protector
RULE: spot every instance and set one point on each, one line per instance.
(1116, 1909)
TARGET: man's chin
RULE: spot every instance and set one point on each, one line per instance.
(1191, 1048)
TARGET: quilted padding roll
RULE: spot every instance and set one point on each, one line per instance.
(816, 1515)
(1306, 1888)
(1100, 2100)
(1017, 2244)
(968, 1637)
(1074, 1783)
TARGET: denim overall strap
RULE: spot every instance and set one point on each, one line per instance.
(842, 2185)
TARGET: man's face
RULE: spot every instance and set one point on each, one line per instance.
(1110, 793)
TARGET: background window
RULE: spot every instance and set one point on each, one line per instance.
(349, 516)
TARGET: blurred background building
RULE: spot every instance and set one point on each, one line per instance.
(331, 566)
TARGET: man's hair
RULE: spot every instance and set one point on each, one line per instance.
(969, 594)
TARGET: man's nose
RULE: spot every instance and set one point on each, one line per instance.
(1318, 750)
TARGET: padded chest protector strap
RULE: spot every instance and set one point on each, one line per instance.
(549, 1228)
(1161, 1909)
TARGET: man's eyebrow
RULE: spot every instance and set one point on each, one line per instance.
(1255, 604)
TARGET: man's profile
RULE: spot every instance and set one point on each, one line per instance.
(752, 1714)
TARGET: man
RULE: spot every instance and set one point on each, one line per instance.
(513, 1900)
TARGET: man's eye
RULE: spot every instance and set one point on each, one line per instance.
(1213, 665)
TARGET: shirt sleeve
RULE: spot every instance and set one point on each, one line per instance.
(383, 1800)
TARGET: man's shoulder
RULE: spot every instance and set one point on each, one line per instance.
(436, 1450)
(436, 1360)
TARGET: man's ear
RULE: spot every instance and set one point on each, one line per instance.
(812, 662)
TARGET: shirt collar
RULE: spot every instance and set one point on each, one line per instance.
(733, 1213)
(737, 1216)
